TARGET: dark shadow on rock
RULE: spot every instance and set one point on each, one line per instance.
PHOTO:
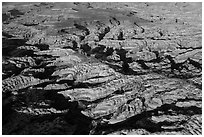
(30, 24)
(22, 53)
(174, 65)
(127, 71)
(85, 48)
(47, 73)
(10, 44)
(41, 46)
(13, 41)
(11, 14)
(74, 115)
(15, 13)
(58, 101)
(195, 64)
(5, 17)
(7, 103)
(6, 35)
(30, 124)
(98, 49)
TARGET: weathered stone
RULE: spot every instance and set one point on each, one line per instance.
(56, 52)
(33, 48)
(84, 71)
(57, 86)
(22, 62)
(19, 82)
(185, 56)
(66, 60)
(104, 90)
(32, 72)
(102, 68)
(126, 111)
(38, 111)
(19, 31)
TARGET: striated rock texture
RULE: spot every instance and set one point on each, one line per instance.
(101, 68)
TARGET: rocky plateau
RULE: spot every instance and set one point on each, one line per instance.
(109, 68)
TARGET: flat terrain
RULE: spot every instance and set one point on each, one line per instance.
(102, 68)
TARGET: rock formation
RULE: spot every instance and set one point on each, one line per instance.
(101, 68)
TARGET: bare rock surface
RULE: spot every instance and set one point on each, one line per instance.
(101, 68)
